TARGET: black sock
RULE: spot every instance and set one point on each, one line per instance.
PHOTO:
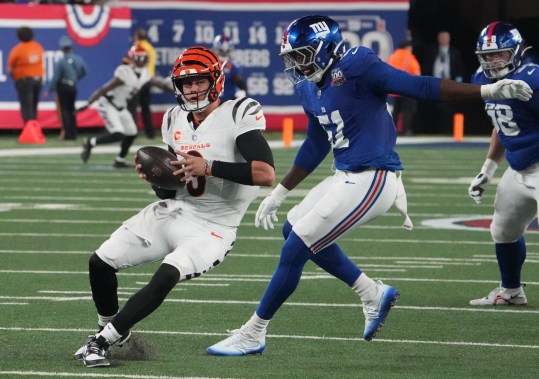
(147, 299)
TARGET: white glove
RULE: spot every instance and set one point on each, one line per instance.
(477, 187)
(265, 215)
(240, 93)
(507, 89)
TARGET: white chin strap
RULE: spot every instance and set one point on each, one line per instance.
(317, 76)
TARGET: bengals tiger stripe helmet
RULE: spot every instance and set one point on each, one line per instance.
(195, 62)
(138, 56)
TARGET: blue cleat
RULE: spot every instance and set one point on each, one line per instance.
(376, 310)
(242, 341)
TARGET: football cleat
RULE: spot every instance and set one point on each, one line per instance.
(503, 296)
(242, 341)
(95, 353)
(376, 310)
(79, 354)
(86, 150)
(120, 164)
(121, 342)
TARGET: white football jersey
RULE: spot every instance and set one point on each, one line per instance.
(132, 84)
(219, 200)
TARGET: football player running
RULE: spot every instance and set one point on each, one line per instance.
(344, 98)
(516, 134)
(224, 157)
(112, 100)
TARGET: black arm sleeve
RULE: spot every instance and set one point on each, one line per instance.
(253, 147)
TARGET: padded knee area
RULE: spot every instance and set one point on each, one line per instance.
(97, 265)
(104, 286)
(287, 228)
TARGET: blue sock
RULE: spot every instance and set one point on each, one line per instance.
(284, 281)
(511, 257)
(333, 260)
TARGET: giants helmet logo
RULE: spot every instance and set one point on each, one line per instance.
(320, 28)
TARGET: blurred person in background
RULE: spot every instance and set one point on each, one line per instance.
(404, 107)
(143, 96)
(67, 72)
(25, 66)
(235, 83)
(442, 61)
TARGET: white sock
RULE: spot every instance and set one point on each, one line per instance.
(104, 320)
(258, 324)
(120, 159)
(364, 287)
(110, 334)
(93, 141)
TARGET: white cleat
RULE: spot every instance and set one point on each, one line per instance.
(242, 341)
(376, 310)
(503, 296)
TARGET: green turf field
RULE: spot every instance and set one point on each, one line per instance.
(54, 211)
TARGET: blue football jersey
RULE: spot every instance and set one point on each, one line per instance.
(516, 122)
(348, 113)
(230, 70)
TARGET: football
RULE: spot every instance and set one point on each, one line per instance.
(156, 165)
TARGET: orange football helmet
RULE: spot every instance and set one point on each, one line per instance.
(194, 62)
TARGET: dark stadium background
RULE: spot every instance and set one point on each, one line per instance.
(465, 19)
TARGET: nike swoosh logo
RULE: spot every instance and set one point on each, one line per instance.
(216, 235)
(259, 117)
(348, 182)
(531, 71)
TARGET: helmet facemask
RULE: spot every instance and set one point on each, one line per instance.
(301, 63)
(498, 67)
(187, 101)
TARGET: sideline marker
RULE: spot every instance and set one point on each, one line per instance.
(32, 133)
(458, 127)
(288, 131)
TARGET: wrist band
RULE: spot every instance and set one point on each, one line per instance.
(236, 172)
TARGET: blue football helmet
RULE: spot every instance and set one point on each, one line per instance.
(222, 46)
(496, 38)
(310, 46)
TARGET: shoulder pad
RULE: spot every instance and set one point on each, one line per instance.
(245, 106)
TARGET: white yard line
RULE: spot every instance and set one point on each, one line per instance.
(286, 336)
